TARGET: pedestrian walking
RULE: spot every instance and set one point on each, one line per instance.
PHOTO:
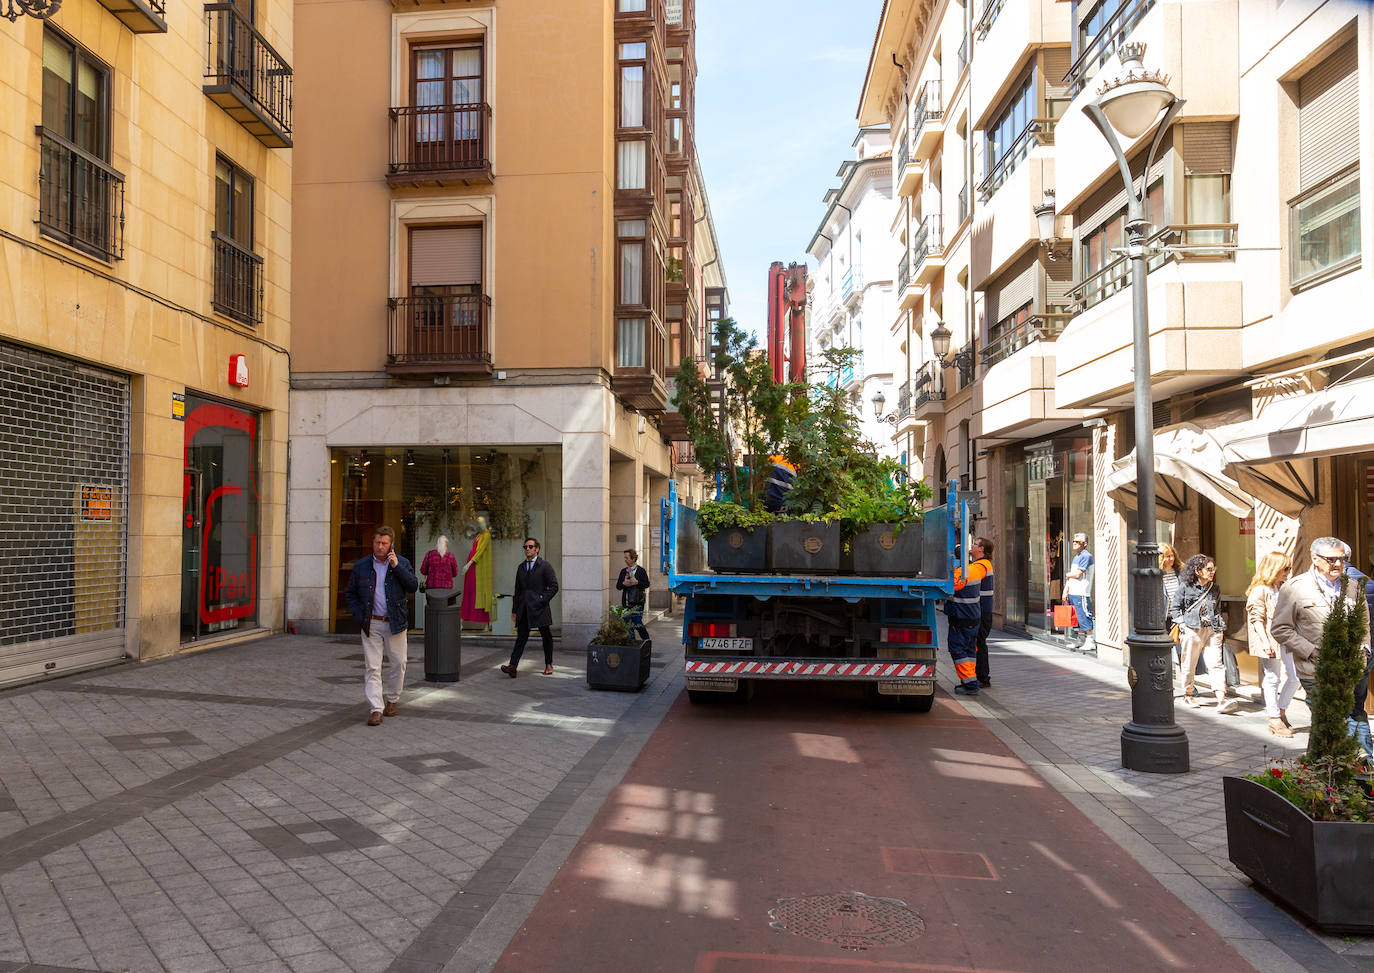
(981, 550)
(1279, 678)
(1359, 711)
(1196, 610)
(376, 596)
(535, 586)
(633, 584)
(964, 608)
(1303, 603)
(1078, 590)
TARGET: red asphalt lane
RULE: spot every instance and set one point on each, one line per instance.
(806, 792)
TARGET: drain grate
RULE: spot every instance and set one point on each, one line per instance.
(850, 920)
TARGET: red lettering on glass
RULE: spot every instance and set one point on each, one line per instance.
(222, 584)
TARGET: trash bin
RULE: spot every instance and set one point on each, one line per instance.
(443, 633)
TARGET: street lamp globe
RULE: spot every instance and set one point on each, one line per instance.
(1044, 217)
(879, 400)
(939, 340)
(1134, 99)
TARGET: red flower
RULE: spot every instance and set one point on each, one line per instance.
(1276, 771)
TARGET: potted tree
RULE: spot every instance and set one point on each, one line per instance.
(1304, 829)
(615, 658)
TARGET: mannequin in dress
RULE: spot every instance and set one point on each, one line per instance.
(439, 566)
(477, 593)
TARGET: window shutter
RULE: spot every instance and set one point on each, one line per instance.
(1057, 64)
(1015, 289)
(1328, 117)
(1058, 282)
(1110, 199)
(1207, 147)
(445, 255)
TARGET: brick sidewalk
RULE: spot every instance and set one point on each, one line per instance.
(1062, 713)
(230, 809)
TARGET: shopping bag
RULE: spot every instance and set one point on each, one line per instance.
(1065, 616)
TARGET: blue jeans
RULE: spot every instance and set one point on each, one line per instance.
(635, 619)
(1083, 608)
(1359, 729)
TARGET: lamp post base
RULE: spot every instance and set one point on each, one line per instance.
(1152, 742)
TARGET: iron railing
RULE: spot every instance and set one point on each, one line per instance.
(80, 198)
(1205, 241)
(903, 272)
(1044, 326)
(903, 151)
(237, 54)
(991, 8)
(684, 454)
(930, 240)
(451, 329)
(928, 106)
(904, 400)
(439, 138)
(237, 280)
(1038, 131)
(928, 385)
(1104, 43)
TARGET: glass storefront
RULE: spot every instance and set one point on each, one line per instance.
(219, 533)
(456, 492)
(1048, 497)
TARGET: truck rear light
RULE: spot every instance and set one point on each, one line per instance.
(908, 636)
(711, 629)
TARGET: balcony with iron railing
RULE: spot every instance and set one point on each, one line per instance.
(140, 16)
(907, 174)
(904, 401)
(928, 250)
(908, 293)
(246, 77)
(1105, 42)
(440, 144)
(991, 8)
(237, 280)
(927, 120)
(1041, 326)
(1018, 374)
(851, 284)
(928, 390)
(439, 335)
(1038, 132)
(1195, 297)
(80, 198)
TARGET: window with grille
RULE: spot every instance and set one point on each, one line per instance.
(238, 269)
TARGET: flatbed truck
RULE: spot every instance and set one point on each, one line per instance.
(739, 629)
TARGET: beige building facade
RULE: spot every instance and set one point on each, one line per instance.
(145, 240)
(499, 226)
(1259, 204)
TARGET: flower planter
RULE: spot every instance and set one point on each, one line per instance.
(799, 547)
(1319, 868)
(883, 551)
(737, 550)
(624, 668)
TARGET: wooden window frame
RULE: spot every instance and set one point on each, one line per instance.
(80, 55)
(236, 170)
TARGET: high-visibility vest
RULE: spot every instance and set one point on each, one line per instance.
(966, 602)
(985, 597)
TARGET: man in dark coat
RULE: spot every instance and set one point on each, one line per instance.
(376, 596)
(634, 588)
(535, 586)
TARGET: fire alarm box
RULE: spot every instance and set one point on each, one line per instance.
(238, 371)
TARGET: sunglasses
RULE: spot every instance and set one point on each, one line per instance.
(531, 547)
(1331, 560)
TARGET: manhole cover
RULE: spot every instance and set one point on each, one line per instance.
(850, 920)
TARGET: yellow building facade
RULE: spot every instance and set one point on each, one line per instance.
(145, 239)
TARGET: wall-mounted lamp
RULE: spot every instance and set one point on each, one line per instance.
(962, 360)
(41, 9)
(1045, 218)
(879, 400)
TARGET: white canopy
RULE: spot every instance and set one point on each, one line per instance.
(1186, 456)
(1272, 457)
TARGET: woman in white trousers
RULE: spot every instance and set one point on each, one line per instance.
(1196, 609)
(1276, 664)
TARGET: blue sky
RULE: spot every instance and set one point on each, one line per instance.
(778, 86)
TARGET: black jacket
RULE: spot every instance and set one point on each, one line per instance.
(634, 595)
(534, 589)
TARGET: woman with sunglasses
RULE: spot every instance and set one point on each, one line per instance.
(1275, 664)
(1196, 609)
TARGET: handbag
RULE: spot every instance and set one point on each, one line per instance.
(1175, 633)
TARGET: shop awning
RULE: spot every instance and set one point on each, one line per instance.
(1273, 457)
(1186, 457)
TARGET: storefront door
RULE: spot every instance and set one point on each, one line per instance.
(219, 530)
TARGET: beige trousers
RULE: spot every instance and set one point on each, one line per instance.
(1207, 643)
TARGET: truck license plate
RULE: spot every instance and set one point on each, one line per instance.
(728, 645)
(904, 687)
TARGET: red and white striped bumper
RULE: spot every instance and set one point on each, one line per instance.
(825, 669)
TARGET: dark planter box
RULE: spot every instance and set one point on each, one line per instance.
(737, 551)
(798, 547)
(619, 667)
(882, 551)
(1320, 868)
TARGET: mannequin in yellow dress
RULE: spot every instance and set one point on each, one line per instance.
(477, 593)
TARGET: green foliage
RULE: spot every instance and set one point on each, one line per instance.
(717, 515)
(1320, 786)
(615, 629)
(1340, 664)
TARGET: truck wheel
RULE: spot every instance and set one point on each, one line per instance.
(700, 697)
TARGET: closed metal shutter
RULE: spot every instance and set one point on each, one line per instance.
(1058, 282)
(1328, 117)
(1058, 60)
(1014, 290)
(446, 255)
(1207, 147)
(1110, 200)
(64, 501)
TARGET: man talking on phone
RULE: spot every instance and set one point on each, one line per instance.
(376, 595)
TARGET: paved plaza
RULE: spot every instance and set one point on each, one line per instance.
(230, 809)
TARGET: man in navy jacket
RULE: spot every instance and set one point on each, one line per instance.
(535, 586)
(376, 595)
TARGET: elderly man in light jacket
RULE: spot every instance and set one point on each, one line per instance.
(1304, 602)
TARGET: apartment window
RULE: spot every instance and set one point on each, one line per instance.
(1100, 32)
(630, 166)
(1010, 136)
(1207, 208)
(630, 6)
(632, 64)
(1324, 218)
(630, 342)
(446, 282)
(675, 216)
(81, 198)
(237, 270)
(631, 243)
(448, 95)
(1104, 271)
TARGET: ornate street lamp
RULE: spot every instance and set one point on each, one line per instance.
(879, 400)
(42, 9)
(1131, 103)
(962, 360)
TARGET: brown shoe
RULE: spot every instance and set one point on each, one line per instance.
(1278, 728)
(509, 670)
(390, 708)
(375, 719)
(548, 670)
